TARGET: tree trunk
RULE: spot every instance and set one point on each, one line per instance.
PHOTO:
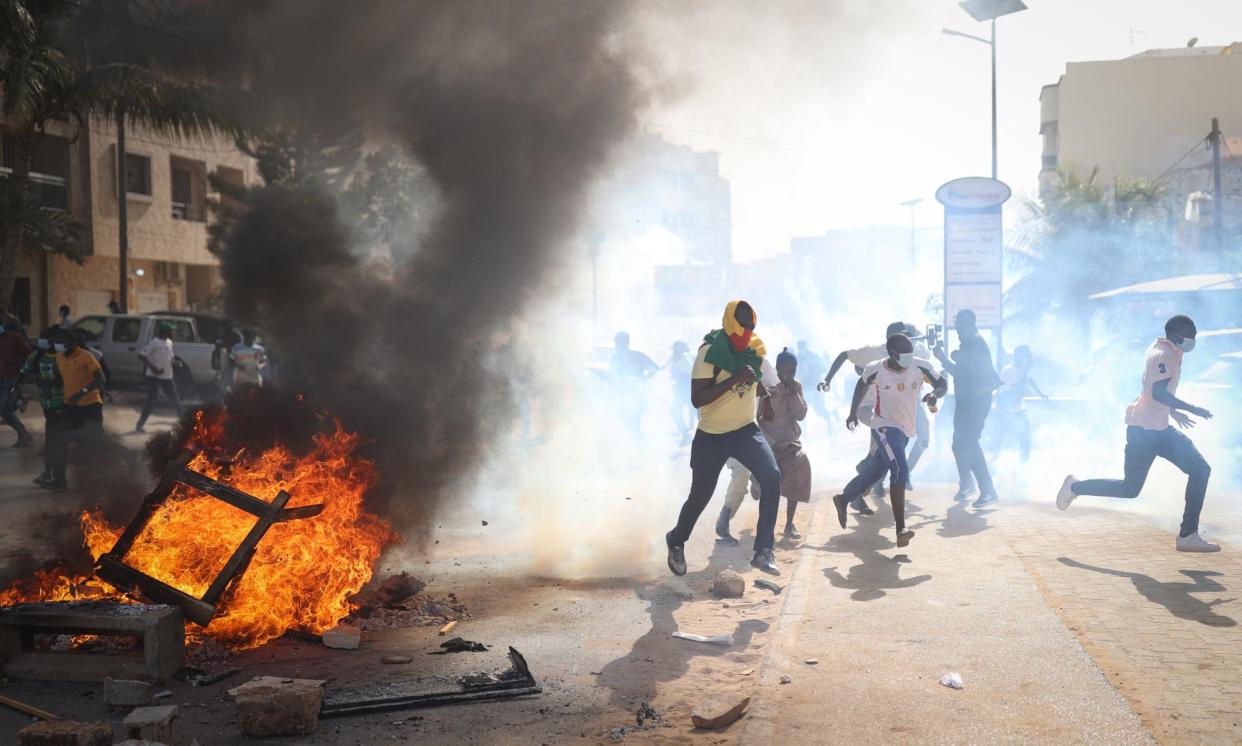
(19, 203)
(122, 214)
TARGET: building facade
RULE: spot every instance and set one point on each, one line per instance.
(167, 193)
(1136, 117)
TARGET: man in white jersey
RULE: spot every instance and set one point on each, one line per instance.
(897, 382)
(1149, 434)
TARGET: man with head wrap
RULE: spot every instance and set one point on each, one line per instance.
(725, 388)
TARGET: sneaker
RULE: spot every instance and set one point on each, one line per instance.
(791, 532)
(841, 504)
(764, 561)
(985, 500)
(55, 485)
(1195, 543)
(1066, 495)
(861, 506)
(964, 494)
(722, 528)
(676, 555)
(24, 441)
(903, 537)
(43, 478)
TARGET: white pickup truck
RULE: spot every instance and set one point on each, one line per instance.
(120, 337)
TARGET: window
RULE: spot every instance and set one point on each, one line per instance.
(92, 327)
(137, 174)
(49, 170)
(189, 188)
(209, 329)
(1050, 161)
(126, 330)
(230, 183)
(183, 330)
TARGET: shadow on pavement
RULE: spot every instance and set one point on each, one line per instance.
(875, 574)
(961, 521)
(1173, 596)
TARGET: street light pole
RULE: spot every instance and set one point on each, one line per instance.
(992, 44)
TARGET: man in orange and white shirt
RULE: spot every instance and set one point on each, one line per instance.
(1149, 434)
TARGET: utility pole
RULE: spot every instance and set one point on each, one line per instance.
(993, 97)
(1218, 197)
(121, 212)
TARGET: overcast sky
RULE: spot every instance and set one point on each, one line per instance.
(829, 113)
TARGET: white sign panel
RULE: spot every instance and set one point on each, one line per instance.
(984, 300)
(973, 193)
(972, 247)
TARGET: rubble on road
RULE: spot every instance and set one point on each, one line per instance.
(647, 719)
(271, 706)
(392, 660)
(768, 585)
(151, 723)
(126, 693)
(786, 679)
(953, 680)
(343, 637)
(65, 733)
(195, 676)
(419, 610)
(718, 712)
(460, 645)
(712, 640)
(728, 584)
(397, 588)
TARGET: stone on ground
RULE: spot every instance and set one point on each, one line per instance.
(65, 733)
(151, 723)
(343, 636)
(125, 693)
(718, 712)
(270, 706)
(728, 584)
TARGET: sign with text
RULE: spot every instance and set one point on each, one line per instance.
(974, 248)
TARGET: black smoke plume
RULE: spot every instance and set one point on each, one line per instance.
(512, 108)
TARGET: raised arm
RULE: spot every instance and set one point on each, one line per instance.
(832, 371)
(860, 391)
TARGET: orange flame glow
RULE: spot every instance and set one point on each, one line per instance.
(304, 571)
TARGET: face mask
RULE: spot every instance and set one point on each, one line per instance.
(43, 344)
(59, 347)
(1187, 344)
(741, 341)
(905, 359)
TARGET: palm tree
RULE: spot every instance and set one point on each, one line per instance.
(42, 83)
(1084, 238)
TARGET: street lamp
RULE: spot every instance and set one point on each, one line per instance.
(989, 10)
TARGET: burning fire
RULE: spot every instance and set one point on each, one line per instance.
(304, 572)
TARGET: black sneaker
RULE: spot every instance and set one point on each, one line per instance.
(722, 528)
(764, 561)
(676, 555)
(791, 532)
(43, 479)
(861, 506)
(841, 504)
(985, 500)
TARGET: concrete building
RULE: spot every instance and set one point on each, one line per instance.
(1136, 117)
(167, 192)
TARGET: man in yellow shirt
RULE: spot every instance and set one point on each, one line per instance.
(725, 388)
(83, 411)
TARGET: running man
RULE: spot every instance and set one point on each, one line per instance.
(1149, 434)
(725, 387)
(896, 382)
(1010, 410)
(157, 368)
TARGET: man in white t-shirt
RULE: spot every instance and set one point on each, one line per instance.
(248, 360)
(860, 357)
(157, 369)
(1149, 434)
(897, 383)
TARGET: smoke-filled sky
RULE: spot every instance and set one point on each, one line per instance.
(828, 113)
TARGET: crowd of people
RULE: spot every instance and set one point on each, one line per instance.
(72, 381)
(749, 414)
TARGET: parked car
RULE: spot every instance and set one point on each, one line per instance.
(120, 337)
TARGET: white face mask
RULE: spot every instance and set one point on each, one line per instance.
(58, 347)
(905, 359)
(1187, 344)
(43, 344)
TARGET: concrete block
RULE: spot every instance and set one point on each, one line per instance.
(65, 733)
(151, 723)
(125, 693)
(268, 706)
(343, 636)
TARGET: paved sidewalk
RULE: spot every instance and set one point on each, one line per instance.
(1162, 624)
(885, 624)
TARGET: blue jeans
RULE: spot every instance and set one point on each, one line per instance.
(708, 454)
(889, 455)
(1142, 448)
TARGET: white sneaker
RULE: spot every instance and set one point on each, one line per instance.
(1195, 543)
(1066, 495)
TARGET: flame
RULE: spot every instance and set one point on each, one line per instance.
(304, 571)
